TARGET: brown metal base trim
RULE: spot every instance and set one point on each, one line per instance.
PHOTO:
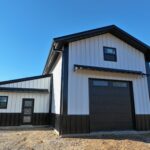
(142, 122)
(10, 119)
(78, 124)
(15, 119)
(70, 124)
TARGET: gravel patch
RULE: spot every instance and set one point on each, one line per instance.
(46, 139)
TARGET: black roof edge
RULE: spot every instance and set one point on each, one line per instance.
(134, 38)
(58, 42)
(25, 79)
(50, 52)
(83, 33)
(80, 67)
(53, 52)
(24, 90)
(113, 29)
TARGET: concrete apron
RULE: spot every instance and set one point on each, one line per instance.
(102, 133)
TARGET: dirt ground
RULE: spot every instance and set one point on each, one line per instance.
(46, 139)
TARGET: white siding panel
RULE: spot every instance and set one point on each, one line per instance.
(41, 102)
(90, 52)
(78, 94)
(42, 83)
(56, 87)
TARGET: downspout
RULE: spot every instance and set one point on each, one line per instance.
(50, 97)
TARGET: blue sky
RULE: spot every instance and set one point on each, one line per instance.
(28, 26)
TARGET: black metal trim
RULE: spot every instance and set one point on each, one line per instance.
(10, 119)
(142, 122)
(55, 121)
(147, 65)
(41, 119)
(64, 87)
(113, 29)
(59, 42)
(83, 67)
(23, 90)
(14, 119)
(70, 124)
(24, 79)
(132, 104)
(64, 80)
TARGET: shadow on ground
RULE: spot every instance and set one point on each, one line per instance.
(27, 128)
(134, 137)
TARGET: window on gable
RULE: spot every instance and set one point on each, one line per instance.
(110, 54)
(3, 102)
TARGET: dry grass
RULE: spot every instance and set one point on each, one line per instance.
(45, 139)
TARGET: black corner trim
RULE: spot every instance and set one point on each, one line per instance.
(64, 84)
(23, 90)
(80, 67)
(24, 79)
(148, 77)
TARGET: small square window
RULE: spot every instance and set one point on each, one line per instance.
(120, 84)
(28, 103)
(110, 54)
(3, 102)
(100, 83)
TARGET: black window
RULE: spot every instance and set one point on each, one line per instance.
(3, 102)
(100, 83)
(110, 54)
(120, 84)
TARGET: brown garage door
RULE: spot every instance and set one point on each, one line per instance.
(110, 105)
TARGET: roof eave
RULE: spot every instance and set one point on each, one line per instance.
(116, 31)
(59, 42)
(53, 54)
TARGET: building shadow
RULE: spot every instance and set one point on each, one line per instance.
(26, 128)
(141, 137)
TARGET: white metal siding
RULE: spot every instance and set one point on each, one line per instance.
(56, 87)
(90, 52)
(41, 102)
(42, 83)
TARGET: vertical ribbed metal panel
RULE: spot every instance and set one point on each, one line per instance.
(56, 95)
(90, 52)
(41, 104)
(42, 83)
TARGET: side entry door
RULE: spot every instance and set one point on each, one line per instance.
(27, 111)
